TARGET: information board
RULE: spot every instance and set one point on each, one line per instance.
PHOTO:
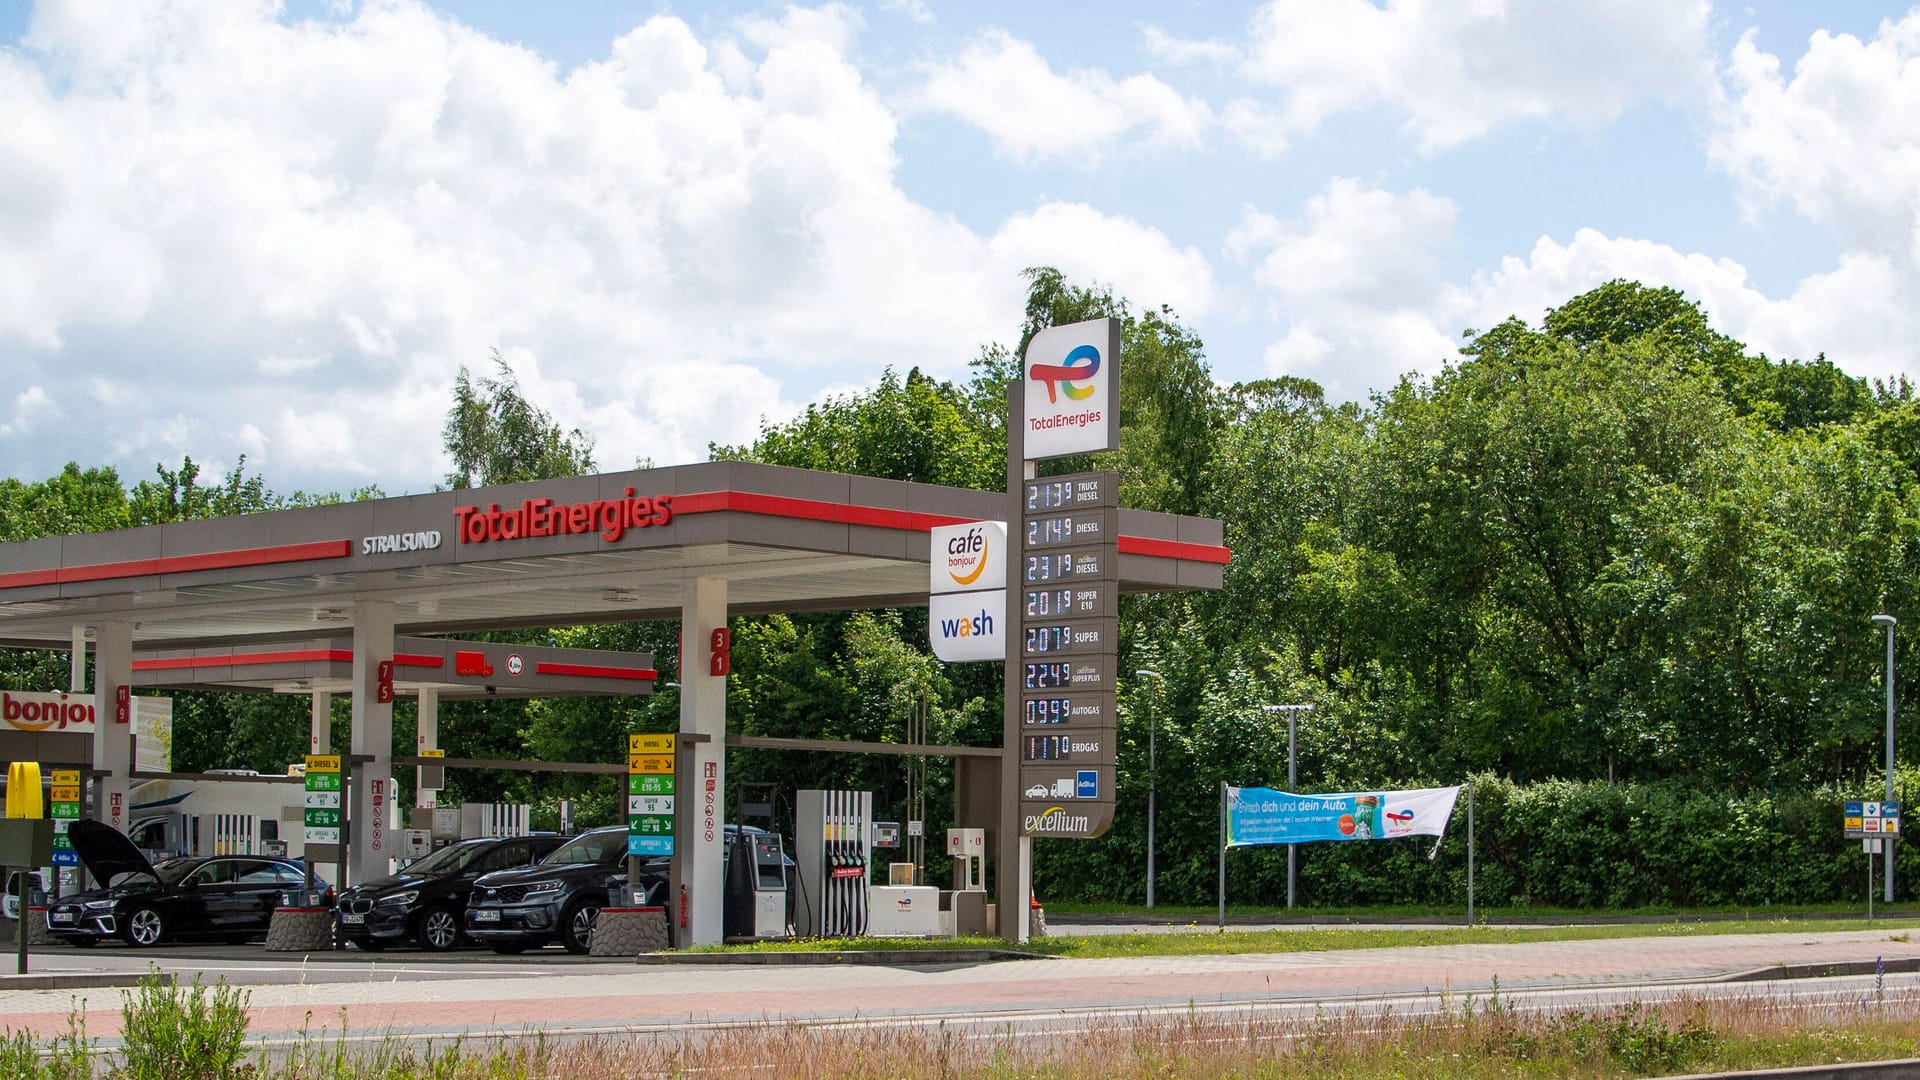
(650, 794)
(323, 804)
(1067, 599)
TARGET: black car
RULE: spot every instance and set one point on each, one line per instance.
(222, 897)
(560, 897)
(426, 901)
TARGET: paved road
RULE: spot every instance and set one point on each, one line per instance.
(480, 994)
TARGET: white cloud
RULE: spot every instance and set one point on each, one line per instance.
(1004, 87)
(1354, 281)
(284, 238)
(1459, 70)
(1839, 140)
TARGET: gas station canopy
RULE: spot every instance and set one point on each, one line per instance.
(618, 547)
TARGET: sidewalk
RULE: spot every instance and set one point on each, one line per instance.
(634, 997)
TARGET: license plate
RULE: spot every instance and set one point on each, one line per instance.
(486, 916)
(348, 918)
(59, 916)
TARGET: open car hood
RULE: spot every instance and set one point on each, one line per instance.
(106, 852)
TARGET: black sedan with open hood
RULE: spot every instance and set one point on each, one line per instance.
(221, 897)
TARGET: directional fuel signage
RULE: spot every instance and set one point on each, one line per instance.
(63, 805)
(323, 799)
(1067, 577)
(650, 794)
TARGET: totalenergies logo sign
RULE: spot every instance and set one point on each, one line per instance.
(46, 712)
(611, 518)
(1071, 407)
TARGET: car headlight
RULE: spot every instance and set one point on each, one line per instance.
(98, 905)
(399, 899)
(543, 887)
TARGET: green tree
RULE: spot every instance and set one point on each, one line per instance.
(496, 436)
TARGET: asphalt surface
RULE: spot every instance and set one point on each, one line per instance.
(476, 994)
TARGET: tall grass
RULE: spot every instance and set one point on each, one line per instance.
(194, 1033)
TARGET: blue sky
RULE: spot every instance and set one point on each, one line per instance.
(236, 227)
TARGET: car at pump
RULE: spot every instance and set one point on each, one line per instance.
(220, 897)
(558, 898)
(426, 901)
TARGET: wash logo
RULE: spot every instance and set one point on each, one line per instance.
(980, 625)
(1081, 363)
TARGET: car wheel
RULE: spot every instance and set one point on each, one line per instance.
(576, 926)
(439, 929)
(144, 927)
(509, 948)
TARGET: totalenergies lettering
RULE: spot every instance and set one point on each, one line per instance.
(611, 518)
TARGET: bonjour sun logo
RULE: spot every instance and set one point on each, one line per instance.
(1082, 363)
(967, 556)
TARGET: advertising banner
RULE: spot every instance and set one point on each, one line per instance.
(1265, 816)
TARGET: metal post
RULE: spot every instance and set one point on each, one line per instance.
(1293, 784)
(1223, 855)
(1888, 621)
(1469, 853)
(1293, 788)
(1153, 776)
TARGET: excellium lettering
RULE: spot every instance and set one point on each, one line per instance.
(611, 518)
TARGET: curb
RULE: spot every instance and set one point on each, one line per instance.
(887, 957)
(1776, 972)
(1280, 918)
(79, 981)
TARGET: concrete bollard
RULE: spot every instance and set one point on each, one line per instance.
(302, 929)
(629, 931)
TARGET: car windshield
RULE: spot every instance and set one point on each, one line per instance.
(448, 860)
(169, 872)
(594, 847)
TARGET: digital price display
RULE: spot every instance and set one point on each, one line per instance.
(1047, 747)
(1061, 565)
(1053, 675)
(1067, 492)
(1051, 639)
(1079, 710)
(1044, 602)
(1041, 712)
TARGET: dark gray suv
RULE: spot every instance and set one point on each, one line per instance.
(558, 898)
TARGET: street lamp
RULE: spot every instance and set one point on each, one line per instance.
(1153, 766)
(1292, 711)
(1888, 621)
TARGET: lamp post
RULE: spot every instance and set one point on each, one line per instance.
(1888, 621)
(1292, 711)
(1153, 765)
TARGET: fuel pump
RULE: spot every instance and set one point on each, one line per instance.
(832, 834)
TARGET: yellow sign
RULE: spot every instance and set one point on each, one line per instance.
(67, 778)
(1851, 823)
(653, 764)
(323, 762)
(649, 744)
(433, 753)
(23, 790)
(65, 793)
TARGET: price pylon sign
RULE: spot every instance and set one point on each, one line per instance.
(323, 799)
(64, 807)
(650, 805)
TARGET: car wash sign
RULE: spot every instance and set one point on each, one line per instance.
(967, 591)
(1257, 816)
